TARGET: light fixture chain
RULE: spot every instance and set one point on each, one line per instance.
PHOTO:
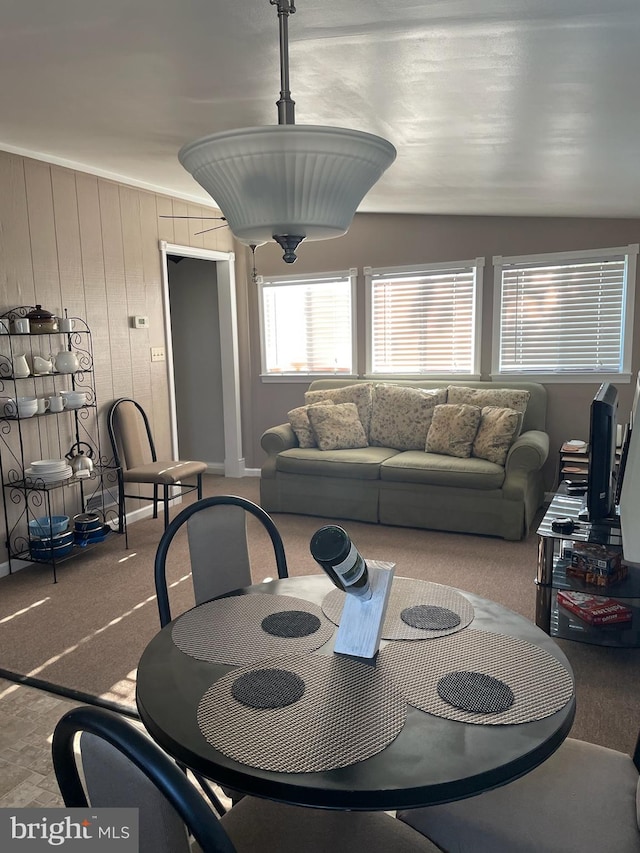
(286, 106)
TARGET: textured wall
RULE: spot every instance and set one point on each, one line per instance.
(380, 240)
(71, 240)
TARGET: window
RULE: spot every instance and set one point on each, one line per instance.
(306, 324)
(424, 320)
(568, 313)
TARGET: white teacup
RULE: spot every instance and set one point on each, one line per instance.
(21, 326)
(43, 405)
(4, 325)
(57, 403)
(66, 324)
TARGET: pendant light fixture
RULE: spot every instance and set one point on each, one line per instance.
(287, 182)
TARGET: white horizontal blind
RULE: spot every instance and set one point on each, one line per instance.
(423, 321)
(307, 324)
(566, 316)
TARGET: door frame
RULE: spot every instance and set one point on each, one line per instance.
(228, 317)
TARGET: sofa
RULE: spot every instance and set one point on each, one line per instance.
(433, 477)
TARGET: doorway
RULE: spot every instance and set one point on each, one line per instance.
(202, 356)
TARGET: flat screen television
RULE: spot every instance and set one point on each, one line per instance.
(601, 483)
(629, 500)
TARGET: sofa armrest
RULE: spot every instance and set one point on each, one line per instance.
(528, 452)
(278, 438)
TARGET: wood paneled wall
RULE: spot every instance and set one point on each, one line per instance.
(70, 240)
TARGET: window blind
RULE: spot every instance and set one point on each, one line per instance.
(559, 317)
(307, 325)
(423, 322)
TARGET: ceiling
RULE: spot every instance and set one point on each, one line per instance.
(501, 107)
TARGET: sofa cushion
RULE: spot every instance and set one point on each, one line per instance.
(299, 420)
(361, 463)
(511, 398)
(337, 427)
(498, 427)
(453, 429)
(360, 394)
(401, 417)
(435, 469)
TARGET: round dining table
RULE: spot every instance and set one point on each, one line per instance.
(421, 757)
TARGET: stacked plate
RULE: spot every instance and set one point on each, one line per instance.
(49, 470)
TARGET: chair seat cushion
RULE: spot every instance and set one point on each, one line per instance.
(166, 472)
(582, 798)
(259, 825)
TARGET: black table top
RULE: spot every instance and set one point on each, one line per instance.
(569, 506)
(432, 760)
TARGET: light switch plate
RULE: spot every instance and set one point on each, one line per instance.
(157, 354)
(139, 322)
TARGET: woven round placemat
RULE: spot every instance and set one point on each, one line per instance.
(349, 711)
(230, 630)
(540, 683)
(406, 594)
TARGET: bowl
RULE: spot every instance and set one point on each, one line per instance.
(48, 526)
(27, 406)
(74, 400)
(58, 541)
(48, 553)
(87, 522)
(98, 535)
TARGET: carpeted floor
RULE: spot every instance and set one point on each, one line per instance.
(87, 632)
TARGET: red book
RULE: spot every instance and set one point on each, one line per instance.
(595, 609)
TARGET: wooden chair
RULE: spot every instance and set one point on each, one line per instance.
(218, 548)
(585, 797)
(123, 767)
(137, 462)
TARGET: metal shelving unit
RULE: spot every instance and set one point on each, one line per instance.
(50, 435)
(552, 577)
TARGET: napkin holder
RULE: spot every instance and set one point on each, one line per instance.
(361, 621)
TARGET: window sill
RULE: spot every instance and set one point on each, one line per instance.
(564, 378)
(268, 378)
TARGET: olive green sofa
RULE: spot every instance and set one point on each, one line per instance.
(412, 488)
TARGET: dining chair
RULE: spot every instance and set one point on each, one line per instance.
(123, 767)
(584, 797)
(218, 548)
(136, 460)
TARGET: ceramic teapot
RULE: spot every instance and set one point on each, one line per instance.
(78, 459)
(21, 366)
(66, 362)
(42, 365)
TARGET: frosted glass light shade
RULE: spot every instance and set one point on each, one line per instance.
(288, 179)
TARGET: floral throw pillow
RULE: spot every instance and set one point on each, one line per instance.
(361, 394)
(498, 427)
(511, 398)
(401, 416)
(453, 429)
(299, 420)
(337, 427)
